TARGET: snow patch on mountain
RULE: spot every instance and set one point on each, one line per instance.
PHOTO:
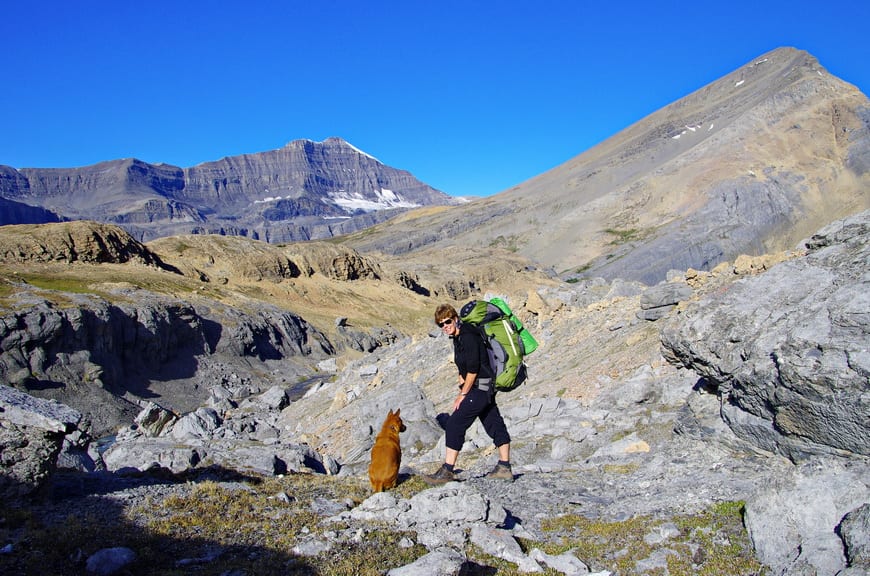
(269, 199)
(383, 200)
(354, 148)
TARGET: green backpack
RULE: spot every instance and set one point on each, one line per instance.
(507, 340)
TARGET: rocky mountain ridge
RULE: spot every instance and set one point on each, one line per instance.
(750, 164)
(301, 191)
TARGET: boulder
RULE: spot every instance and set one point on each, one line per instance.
(32, 432)
(445, 561)
(147, 453)
(153, 420)
(855, 530)
(809, 538)
(109, 561)
(19, 408)
(657, 301)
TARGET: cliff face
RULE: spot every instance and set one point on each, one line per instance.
(103, 357)
(19, 213)
(14, 212)
(341, 177)
(297, 192)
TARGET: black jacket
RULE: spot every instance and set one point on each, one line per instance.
(469, 352)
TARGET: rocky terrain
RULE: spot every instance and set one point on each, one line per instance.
(697, 405)
(743, 384)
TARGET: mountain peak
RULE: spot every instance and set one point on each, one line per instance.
(331, 142)
(752, 162)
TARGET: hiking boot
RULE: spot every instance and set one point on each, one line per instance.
(442, 476)
(501, 472)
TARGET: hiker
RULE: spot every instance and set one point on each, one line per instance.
(476, 399)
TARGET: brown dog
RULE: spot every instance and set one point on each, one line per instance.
(387, 454)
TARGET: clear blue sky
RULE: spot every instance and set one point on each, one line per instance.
(471, 97)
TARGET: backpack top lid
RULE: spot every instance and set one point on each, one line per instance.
(479, 312)
(466, 310)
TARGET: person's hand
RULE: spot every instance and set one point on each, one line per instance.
(458, 401)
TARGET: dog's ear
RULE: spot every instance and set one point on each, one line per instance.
(397, 411)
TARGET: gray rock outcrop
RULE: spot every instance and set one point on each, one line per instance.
(786, 351)
(32, 432)
(242, 437)
(795, 521)
(659, 300)
(855, 529)
(102, 357)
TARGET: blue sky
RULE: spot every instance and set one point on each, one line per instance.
(470, 97)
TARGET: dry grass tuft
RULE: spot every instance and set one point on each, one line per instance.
(250, 526)
(710, 543)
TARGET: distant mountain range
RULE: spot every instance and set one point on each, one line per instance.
(302, 191)
(751, 163)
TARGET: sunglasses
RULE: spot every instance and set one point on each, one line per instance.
(444, 323)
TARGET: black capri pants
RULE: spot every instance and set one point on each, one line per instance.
(478, 404)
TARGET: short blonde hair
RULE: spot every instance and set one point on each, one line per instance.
(444, 312)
